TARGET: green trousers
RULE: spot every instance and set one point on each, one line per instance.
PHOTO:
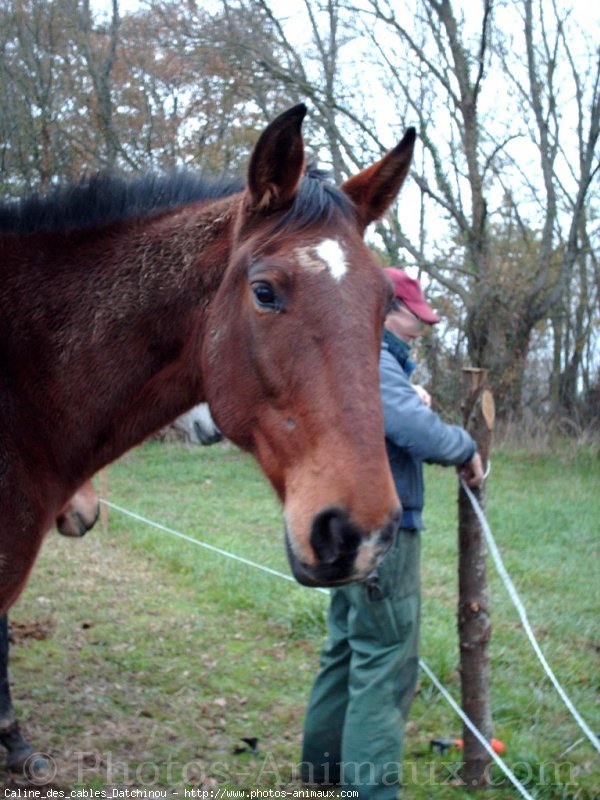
(354, 725)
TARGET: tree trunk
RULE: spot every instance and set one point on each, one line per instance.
(474, 625)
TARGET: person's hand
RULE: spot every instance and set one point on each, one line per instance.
(472, 472)
(423, 394)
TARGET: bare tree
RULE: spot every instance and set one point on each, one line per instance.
(99, 51)
(506, 100)
(477, 163)
(160, 87)
(32, 46)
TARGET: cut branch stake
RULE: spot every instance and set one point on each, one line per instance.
(474, 625)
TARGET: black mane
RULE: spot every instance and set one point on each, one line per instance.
(105, 198)
(316, 200)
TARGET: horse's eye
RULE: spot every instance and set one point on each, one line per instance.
(266, 297)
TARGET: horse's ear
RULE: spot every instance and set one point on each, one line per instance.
(277, 161)
(374, 189)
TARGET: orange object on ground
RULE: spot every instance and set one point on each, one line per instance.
(497, 746)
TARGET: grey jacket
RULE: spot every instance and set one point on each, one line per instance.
(414, 434)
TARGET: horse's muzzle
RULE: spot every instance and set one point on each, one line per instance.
(75, 523)
(343, 553)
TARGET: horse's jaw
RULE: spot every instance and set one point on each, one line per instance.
(343, 554)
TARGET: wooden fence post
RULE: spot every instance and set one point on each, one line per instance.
(474, 625)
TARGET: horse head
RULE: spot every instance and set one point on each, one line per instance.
(80, 513)
(198, 426)
(292, 349)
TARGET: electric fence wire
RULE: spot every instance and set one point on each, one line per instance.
(276, 573)
(514, 596)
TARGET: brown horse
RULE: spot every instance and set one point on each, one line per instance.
(122, 305)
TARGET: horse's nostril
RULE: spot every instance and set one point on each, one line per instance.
(206, 436)
(333, 536)
(341, 551)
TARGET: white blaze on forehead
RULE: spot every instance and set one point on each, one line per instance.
(328, 255)
(332, 254)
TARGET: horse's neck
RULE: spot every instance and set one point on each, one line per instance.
(144, 331)
(184, 250)
(180, 266)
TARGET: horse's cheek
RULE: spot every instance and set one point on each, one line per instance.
(231, 397)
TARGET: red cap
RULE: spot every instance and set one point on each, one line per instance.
(409, 291)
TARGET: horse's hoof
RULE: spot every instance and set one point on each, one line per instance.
(22, 759)
(34, 767)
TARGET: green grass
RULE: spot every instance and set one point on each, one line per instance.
(158, 656)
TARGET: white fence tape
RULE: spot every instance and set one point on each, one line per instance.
(426, 669)
(510, 587)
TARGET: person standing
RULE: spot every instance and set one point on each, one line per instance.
(354, 725)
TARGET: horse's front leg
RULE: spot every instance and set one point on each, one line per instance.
(20, 756)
